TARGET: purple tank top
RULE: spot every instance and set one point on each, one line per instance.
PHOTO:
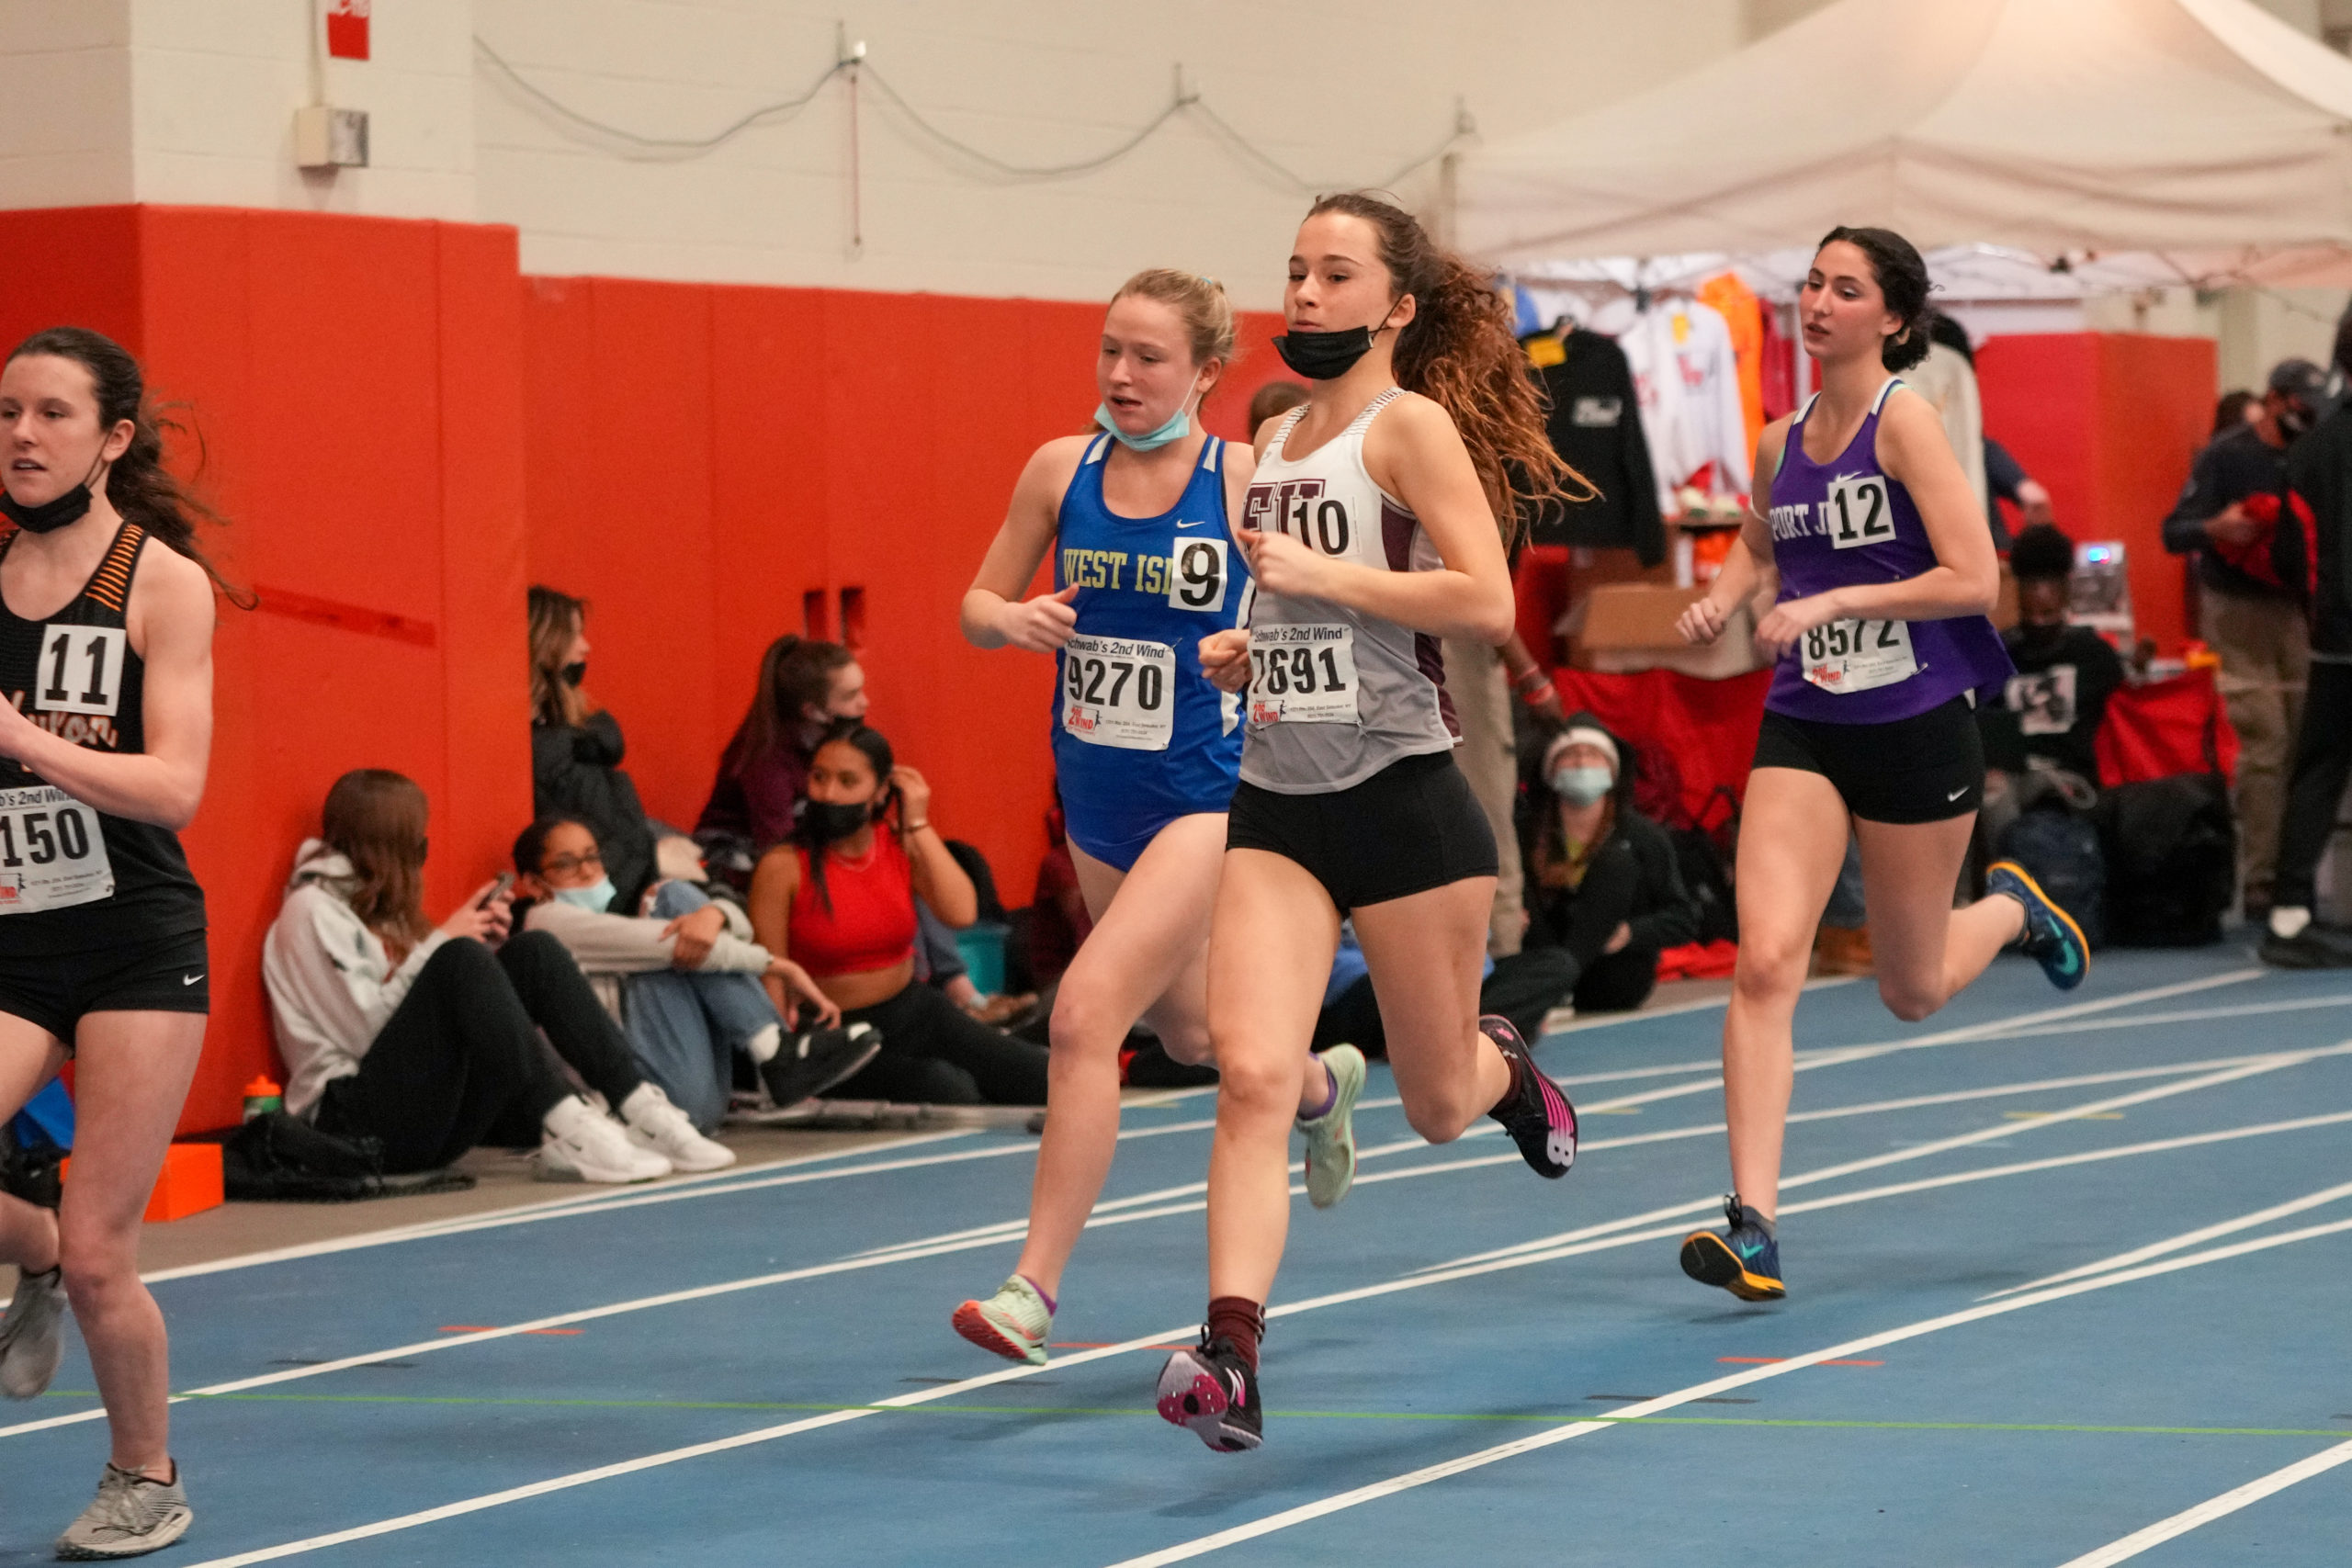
(1844, 522)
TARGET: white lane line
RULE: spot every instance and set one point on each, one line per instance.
(2252, 1067)
(1612, 1020)
(1009, 1374)
(2212, 1508)
(2158, 1249)
(2026, 1021)
(1324, 1508)
(2188, 1015)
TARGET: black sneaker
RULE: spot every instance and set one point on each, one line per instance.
(1537, 1116)
(1742, 1258)
(2313, 947)
(814, 1061)
(1212, 1394)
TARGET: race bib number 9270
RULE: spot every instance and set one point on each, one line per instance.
(1119, 692)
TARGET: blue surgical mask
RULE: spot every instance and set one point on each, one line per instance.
(595, 899)
(1581, 786)
(1178, 426)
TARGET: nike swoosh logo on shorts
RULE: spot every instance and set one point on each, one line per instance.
(190, 979)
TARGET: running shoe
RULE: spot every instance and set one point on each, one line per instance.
(133, 1514)
(811, 1062)
(1015, 1323)
(2051, 938)
(579, 1142)
(1742, 1259)
(1331, 1137)
(653, 1122)
(30, 1344)
(1535, 1113)
(1212, 1394)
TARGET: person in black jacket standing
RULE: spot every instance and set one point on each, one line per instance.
(2319, 477)
(1602, 880)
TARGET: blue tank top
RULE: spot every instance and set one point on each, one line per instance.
(1846, 523)
(1140, 736)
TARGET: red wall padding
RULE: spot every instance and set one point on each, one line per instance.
(704, 458)
(355, 386)
(2108, 422)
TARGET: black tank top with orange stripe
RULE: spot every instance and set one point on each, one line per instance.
(76, 675)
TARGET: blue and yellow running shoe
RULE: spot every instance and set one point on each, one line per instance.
(1744, 1258)
(2051, 938)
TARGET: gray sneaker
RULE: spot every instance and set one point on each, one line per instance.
(30, 1344)
(133, 1515)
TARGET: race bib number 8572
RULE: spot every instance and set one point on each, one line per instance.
(1844, 657)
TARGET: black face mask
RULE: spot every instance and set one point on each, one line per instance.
(52, 514)
(825, 821)
(574, 672)
(1324, 356)
(2294, 419)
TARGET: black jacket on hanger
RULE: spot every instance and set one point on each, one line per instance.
(1595, 422)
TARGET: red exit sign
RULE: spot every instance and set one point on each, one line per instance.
(347, 29)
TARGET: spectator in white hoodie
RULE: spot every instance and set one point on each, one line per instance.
(428, 1039)
(688, 1003)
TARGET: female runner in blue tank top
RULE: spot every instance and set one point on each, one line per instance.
(1145, 749)
(1884, 575)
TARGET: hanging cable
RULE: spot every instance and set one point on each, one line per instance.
(1019, 171)
(682, 147)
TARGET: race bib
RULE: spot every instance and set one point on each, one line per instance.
(2044, 704)
(53, 854)
(1196, 577)
(1304, 674)
(1859, 512)
(1845, 657)
(1119, 692)
(80, 668)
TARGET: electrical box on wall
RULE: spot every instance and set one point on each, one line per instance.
(330, 138)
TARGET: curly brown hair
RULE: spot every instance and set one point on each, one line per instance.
(1460, 351)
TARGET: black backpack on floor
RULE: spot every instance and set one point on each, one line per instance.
(282, 1158)
(2172, 853)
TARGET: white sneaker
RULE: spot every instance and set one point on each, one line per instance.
(655, 1123)
(580, 1144)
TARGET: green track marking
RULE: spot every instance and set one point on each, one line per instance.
(1073, 1410)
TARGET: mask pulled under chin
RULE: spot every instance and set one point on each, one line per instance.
(56, 512)
(1177, 427)
(1324, 356)
(575, 672)
(827, 821)
(595, 898)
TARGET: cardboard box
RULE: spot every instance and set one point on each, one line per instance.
(1626, 627)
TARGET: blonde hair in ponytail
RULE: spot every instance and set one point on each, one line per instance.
(1199, 302)
(1459, 351)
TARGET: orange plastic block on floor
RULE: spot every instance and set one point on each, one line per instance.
(189, 1185)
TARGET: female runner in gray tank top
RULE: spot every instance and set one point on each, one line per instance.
(1374, 526)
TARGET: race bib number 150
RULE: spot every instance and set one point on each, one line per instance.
(52, 853)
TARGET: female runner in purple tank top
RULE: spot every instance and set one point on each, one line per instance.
(1867, 539)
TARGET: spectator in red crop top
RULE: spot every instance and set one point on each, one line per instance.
(805, 685)
(839, 898)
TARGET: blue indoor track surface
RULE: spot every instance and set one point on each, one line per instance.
(1466, 1364)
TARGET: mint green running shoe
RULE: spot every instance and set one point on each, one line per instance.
(1015, 1323)
(1331, 1137)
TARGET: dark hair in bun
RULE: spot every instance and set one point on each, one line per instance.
(1902, 277)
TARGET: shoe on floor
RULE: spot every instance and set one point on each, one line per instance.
(1015, 1323)
(1212, 1392)
(2313, 947)
(30, 1343)
(1536, 1114)
(814, 1061)
(2051, 938)
(579, 1143)
(1331, 1137)
(1742, 1258)
(132, 1514)
(654, 1124)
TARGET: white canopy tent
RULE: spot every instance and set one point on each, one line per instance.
(2206, 138)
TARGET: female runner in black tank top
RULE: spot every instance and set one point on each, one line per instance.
(106, 665)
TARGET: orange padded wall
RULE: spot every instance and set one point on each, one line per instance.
(703, 458)
(355, 386)
(2108, 422)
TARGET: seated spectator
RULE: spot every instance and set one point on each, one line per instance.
(2049, 719)
(841, 897)
(805, 685)
(428, 1039)
(688, 1004)
(576, 751)
(1602, 879)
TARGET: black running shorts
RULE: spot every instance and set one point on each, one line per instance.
(169, 973)
(1926, 768)
(1410, 827)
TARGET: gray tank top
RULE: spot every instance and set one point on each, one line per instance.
(1336, 695)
